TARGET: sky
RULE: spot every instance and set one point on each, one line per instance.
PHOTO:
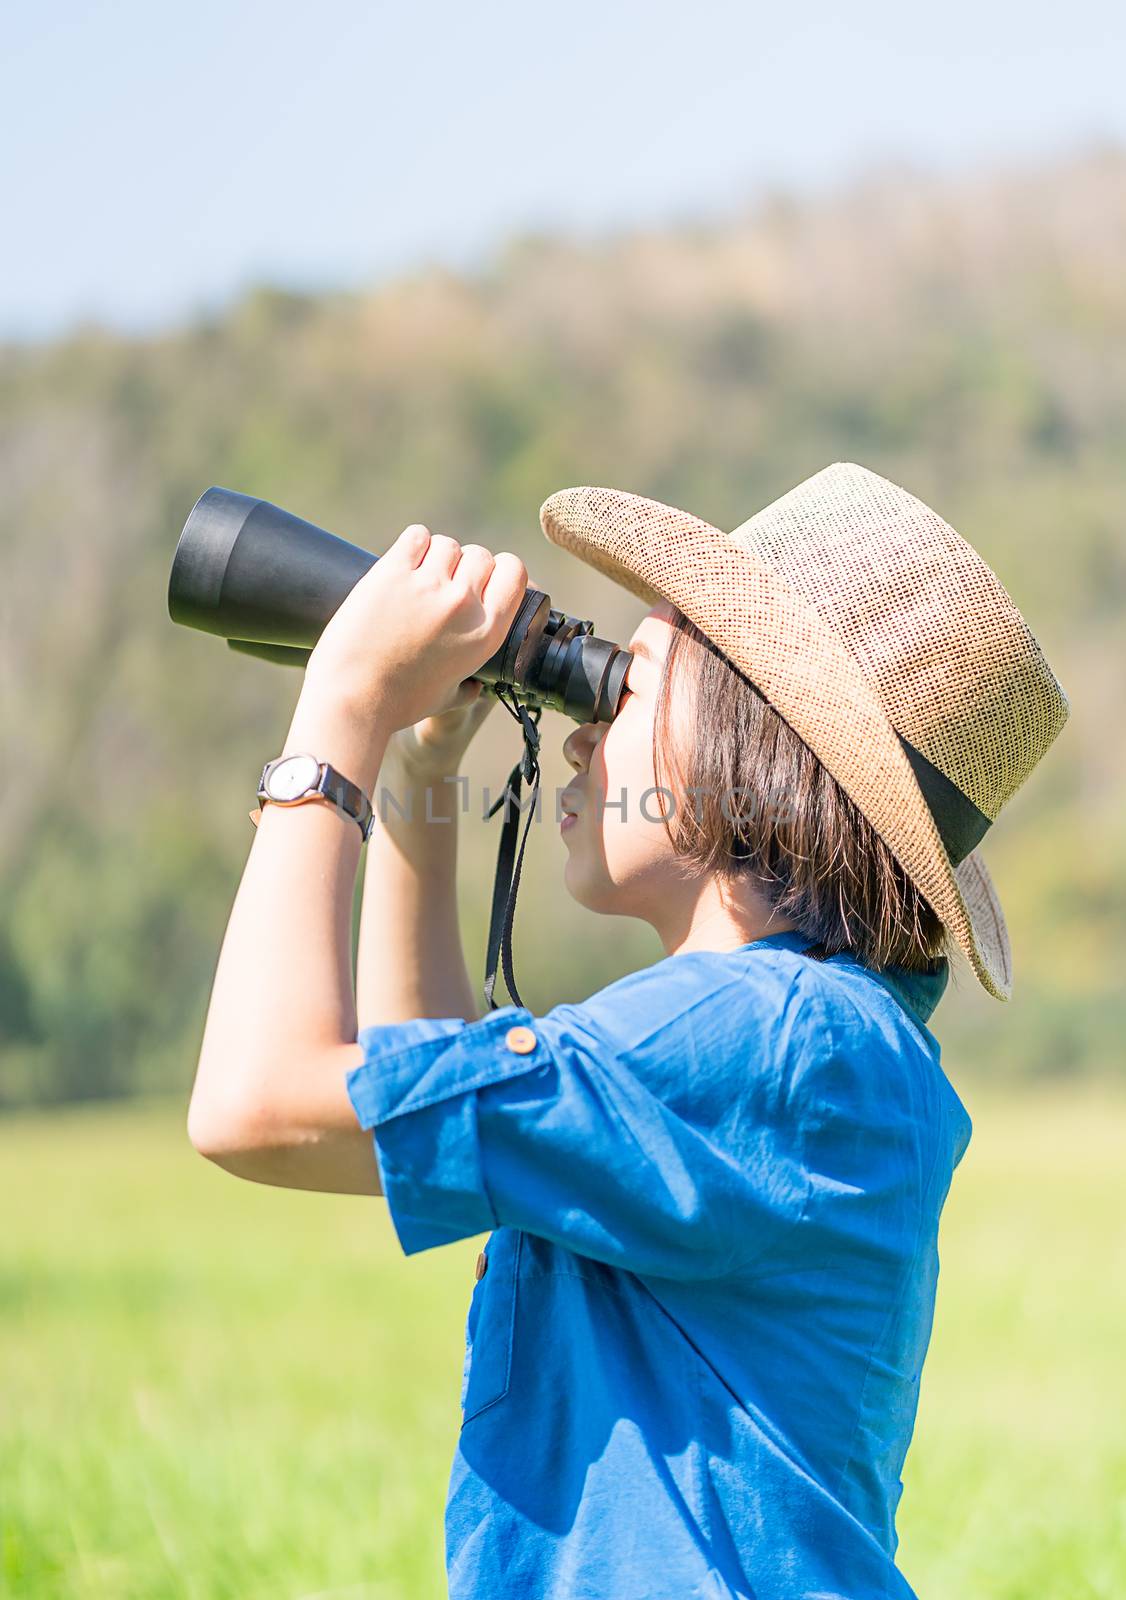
(158, 160)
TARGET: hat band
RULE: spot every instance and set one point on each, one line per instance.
(960, 824)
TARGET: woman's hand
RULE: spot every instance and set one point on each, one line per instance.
(398, 649)
(435, 746)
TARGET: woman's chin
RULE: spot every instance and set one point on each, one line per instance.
(573, 879)
(592, 890)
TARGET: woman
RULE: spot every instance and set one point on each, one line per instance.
(713, 1188)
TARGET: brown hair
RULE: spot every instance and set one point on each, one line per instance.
(762, 804)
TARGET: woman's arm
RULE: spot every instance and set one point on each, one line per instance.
(269, 1101)
(410, 961)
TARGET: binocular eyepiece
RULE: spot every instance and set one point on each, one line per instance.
(268, 582)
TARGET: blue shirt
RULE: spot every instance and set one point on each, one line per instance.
(692, 1362)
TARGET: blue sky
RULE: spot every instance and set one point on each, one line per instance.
(157, 159)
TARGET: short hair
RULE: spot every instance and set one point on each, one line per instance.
(765, 807)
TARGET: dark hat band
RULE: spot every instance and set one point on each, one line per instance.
(961, 826)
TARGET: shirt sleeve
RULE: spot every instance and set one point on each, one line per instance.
(474, 1130)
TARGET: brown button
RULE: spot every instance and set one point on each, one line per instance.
(522, 1040)
(482, 1263)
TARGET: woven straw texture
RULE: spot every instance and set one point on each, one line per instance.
(860, 614)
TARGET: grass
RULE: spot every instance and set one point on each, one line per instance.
(210, 1389)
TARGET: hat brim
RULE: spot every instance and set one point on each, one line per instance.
(734, 593)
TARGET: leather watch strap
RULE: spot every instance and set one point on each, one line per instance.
(348, 796)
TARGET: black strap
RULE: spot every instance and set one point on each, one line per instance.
(507, 881)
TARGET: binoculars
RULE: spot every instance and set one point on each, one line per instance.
(268, 582)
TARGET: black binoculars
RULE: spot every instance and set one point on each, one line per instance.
(268, 582)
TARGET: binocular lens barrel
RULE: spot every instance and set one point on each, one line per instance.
(268, 582)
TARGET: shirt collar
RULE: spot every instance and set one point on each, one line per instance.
(917, 992)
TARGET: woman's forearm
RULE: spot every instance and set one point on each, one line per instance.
(282, 996)
(410, 961)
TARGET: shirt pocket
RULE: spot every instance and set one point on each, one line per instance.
(490, 1324)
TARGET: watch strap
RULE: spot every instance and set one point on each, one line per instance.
(347, 795)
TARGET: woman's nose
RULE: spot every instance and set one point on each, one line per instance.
(579, 743)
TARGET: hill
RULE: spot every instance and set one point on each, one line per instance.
(963, 337)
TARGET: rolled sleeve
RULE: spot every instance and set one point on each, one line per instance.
(549, 1125)
(416, 1090)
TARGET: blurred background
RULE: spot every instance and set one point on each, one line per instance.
(383, 265)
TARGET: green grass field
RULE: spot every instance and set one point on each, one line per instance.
(211, 1389)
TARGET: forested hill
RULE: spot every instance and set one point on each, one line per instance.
(966, 338)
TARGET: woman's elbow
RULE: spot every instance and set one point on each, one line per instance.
(235, 1134)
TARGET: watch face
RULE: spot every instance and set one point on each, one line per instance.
(292, 776)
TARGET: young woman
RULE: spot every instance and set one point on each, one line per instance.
(713, 1189)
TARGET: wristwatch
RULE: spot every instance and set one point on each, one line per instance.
(291, 780)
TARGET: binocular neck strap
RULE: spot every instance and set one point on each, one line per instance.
(507, 880)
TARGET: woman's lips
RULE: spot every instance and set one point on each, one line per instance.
(570, 798)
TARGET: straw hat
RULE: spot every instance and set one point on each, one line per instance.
(884, 641)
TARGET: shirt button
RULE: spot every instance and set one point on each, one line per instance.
(482, 1263)
(522, 1040)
